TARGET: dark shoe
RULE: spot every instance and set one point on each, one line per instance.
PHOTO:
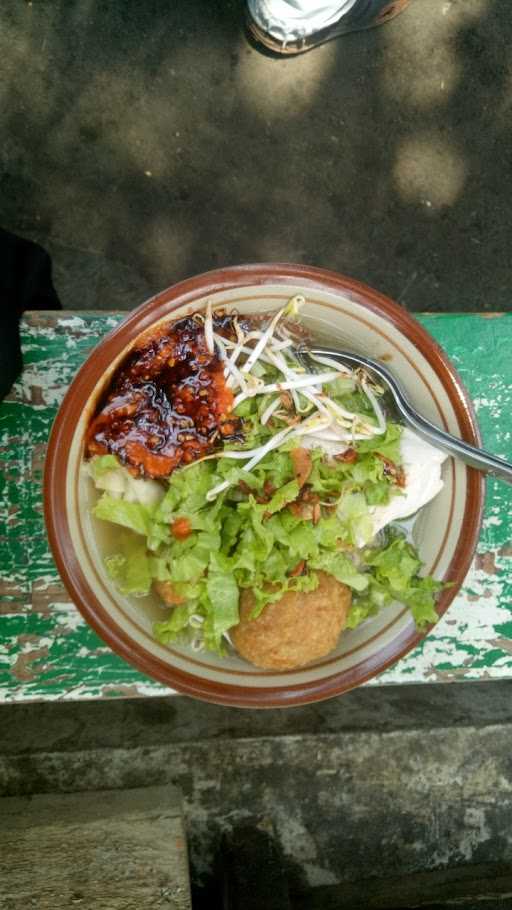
(363, 15)
(25, 284)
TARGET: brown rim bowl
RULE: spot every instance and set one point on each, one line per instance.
(347, 314)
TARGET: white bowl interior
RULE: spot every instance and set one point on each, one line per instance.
(332, 319)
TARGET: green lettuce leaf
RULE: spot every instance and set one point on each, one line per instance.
(131, 515)
(102, 464)
(130, 569)
(397, 563)
(394, 577)
(222, 591)
(188, 566)
(177, 622)
(356, 402)
(287, 493)
(237, 542)
(186, 494)
(352, 512)
(341, 388)
(344, 570)
(388, 444)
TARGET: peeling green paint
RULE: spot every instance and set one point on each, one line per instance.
(47, 650)
(505, 630)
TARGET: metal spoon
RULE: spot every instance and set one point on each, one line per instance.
(477, 458)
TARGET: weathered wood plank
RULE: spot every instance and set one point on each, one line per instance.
(105, 850)
(48, 652)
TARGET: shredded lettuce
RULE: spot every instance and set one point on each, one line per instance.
(176, 623)
(130, 569)
(262, 531)
(222, 593)
(131, 515)
(388, 444)
(101, 465)
(250, 538)
(287, 493)
(366, 475)
(187, 490)
(393, 575)
(343, 569)
(352, 512)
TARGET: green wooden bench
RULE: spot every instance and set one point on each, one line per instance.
(46, 649)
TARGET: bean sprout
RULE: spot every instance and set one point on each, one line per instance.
(208, 327)
(267, 413)
(324, 418)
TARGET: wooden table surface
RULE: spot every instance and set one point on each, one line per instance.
(46, 649)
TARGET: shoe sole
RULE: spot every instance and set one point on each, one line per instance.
(294, 48)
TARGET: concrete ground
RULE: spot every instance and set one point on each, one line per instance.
(377, 784)
(144, 142)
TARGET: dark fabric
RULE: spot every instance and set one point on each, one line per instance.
(25, 284)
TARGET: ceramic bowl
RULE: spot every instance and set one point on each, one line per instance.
(341, 312)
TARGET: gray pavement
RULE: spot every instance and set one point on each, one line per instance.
(381, 783)
(144, 142)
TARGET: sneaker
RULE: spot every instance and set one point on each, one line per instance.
(284, 27)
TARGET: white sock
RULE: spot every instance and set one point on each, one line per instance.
(289, 20)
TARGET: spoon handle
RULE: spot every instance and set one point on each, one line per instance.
(471, 455)
(476, 458)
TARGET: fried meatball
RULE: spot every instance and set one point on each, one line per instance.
(297, 629)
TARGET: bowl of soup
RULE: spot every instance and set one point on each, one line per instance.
(240, 528)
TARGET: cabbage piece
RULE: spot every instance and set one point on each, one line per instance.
(109, 475)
